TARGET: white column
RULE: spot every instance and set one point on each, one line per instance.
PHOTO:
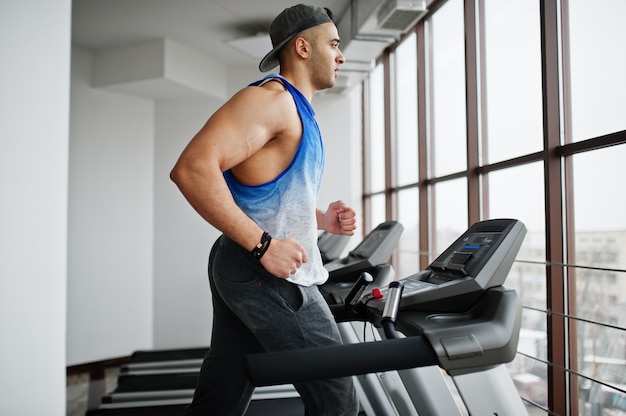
(34, 137)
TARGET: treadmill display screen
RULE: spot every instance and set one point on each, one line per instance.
(468, 255)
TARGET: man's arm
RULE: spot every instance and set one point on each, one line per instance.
(239, 129)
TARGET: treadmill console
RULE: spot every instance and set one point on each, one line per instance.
(375, 249)
(478, 260)
(331, 245)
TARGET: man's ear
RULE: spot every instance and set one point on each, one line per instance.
(303, 47)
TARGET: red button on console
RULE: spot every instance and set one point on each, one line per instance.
(377, 294)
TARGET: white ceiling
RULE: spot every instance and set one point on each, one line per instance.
(127, 36)
(202, 25)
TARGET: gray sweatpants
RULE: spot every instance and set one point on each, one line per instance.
(253, 311)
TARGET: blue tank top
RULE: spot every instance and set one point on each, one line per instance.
(286, 206)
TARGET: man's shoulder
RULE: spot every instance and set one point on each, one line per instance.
(275, 83)
(269, 91)
(263, 99)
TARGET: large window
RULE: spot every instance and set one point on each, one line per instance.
(509, 108)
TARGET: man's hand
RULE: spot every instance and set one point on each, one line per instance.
(284, 257)
(339, 218)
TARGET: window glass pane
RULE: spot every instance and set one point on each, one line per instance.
(514, 120)
(376, 166)
(599, 196)
(448, 130)
(408, 246)
(377, 210)
(450, 213)
(601, 357)
(597, 67)
(406, 109)
(598, 291)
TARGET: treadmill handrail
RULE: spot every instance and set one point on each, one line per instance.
(309, 364)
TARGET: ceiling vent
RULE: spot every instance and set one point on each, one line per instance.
(400, 15)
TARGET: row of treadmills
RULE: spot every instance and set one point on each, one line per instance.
(454, 316)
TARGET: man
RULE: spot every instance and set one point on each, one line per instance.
(254, 172)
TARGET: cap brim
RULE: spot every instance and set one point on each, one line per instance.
(270, 60)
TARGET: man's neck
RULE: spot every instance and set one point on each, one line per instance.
(301, 82)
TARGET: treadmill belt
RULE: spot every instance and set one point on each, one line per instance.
(177, 381)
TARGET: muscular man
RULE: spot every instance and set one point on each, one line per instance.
(254, 172)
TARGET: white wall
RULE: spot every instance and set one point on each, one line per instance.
(110, 220)
(339, 118)
(182, 239)
(34, 113)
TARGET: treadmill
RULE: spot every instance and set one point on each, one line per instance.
(162, 382)
(454, 316)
